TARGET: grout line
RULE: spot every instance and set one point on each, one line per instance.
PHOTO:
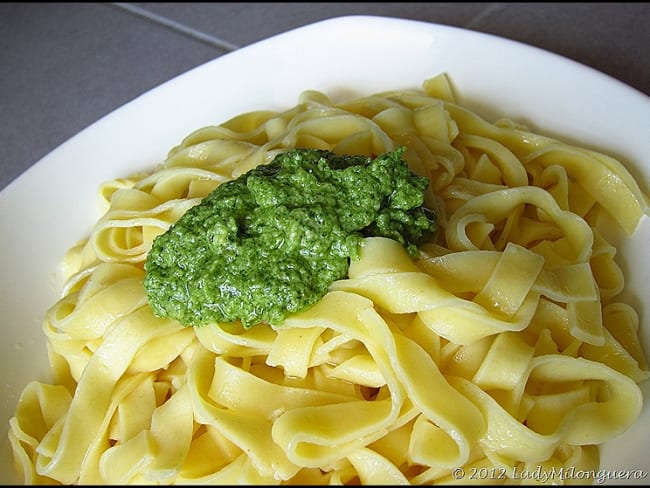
(488, 10)
(177, 26)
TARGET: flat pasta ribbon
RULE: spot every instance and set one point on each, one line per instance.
(504, 345)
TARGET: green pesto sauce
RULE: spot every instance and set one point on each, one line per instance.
(271, 242)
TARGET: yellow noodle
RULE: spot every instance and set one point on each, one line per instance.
(504, 346)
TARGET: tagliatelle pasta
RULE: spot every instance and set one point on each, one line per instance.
(503, 346)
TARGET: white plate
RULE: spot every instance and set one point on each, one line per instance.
(53, 204)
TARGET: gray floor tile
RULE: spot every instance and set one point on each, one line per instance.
(611, 37)
(67, 65)
(247, 22)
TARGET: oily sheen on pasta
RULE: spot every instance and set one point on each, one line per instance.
(503, 346)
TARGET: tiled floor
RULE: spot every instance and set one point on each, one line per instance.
(65, 65)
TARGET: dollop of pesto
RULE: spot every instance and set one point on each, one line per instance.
(272, 241)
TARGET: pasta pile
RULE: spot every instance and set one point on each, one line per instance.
(503, 347)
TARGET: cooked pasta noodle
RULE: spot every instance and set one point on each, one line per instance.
(503, 346)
